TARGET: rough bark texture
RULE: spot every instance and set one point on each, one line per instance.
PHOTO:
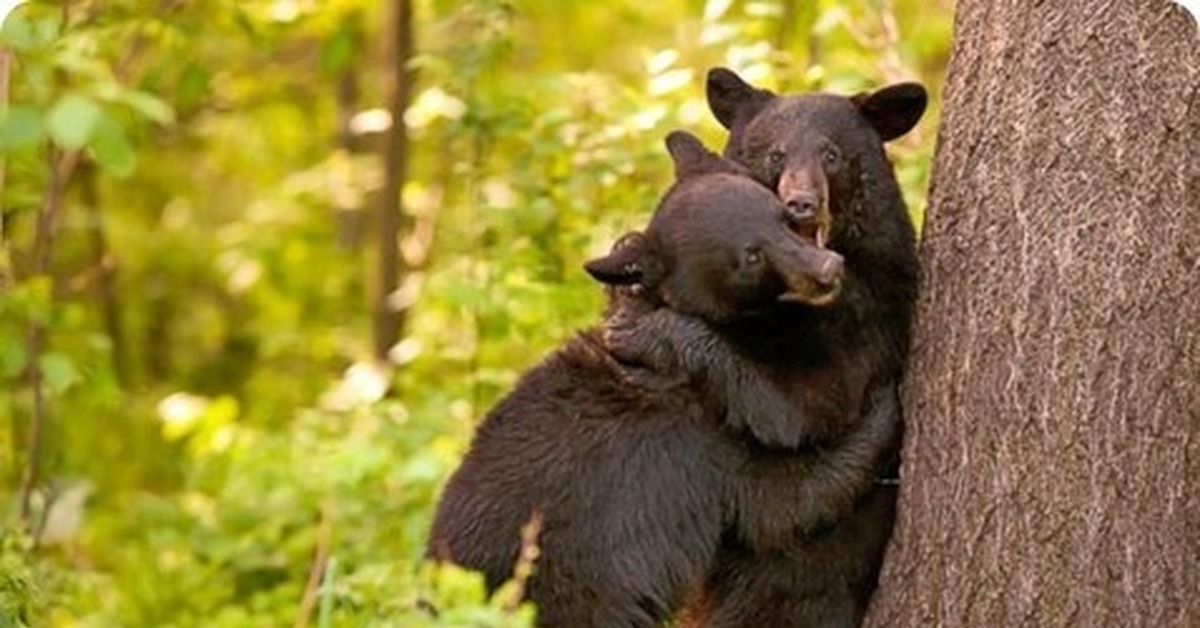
(1052, 458)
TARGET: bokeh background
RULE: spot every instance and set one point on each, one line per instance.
(190, 328)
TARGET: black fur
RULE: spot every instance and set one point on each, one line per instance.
(800, 378)
(640, 472)
(823, 155)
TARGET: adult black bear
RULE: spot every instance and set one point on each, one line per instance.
(637, 476)
(823, 155)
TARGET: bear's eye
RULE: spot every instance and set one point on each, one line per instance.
(775, 157)
(830, 156)
(753, 256)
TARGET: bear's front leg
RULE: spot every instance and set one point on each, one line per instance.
(668, 346)
(805, 492)
(657, 342)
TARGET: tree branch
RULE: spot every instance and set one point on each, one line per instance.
(316, 572)
(62, 167)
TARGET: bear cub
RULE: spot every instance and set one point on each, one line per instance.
(823, 156)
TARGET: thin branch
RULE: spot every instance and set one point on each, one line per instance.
(61, 168)
(316, 572)
(6, 272)
(5, 261)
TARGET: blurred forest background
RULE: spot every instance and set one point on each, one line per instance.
(194, 430)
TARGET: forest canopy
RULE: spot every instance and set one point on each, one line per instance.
(194, 428)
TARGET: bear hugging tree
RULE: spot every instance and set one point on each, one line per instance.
(710, 452)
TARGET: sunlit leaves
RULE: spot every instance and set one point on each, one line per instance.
(13, 356)
(78, 120)
(111, 148)
(71, 121)
(466, 603)
(147, 105)
(432, 104)
(67, 89)
(830, 18)
(237, 242)
(20, 127)
(716, 9)
(58, 372)
(30, 29)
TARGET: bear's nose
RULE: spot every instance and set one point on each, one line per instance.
(802, 207)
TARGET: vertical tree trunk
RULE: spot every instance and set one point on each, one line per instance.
(1052, 458)
(388, 315)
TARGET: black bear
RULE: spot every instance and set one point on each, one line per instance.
(823, 155)
(637, 475)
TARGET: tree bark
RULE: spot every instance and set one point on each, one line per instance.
(388, 315)
(1052, 454)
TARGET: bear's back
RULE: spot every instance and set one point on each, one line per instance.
(616, 470)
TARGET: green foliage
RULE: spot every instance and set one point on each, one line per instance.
(214, 431)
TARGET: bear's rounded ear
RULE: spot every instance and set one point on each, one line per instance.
(625, 264)
(893, 110)
(732, 100)
(692, 158)
(690, 155)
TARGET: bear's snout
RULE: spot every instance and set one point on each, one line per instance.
(812, 275)
(802, 207)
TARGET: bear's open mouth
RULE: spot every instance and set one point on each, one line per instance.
(809, 228)
(829, 293)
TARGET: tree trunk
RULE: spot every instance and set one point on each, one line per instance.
(388, 313)
(1052, 457)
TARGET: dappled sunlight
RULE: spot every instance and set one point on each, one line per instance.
(191, 266)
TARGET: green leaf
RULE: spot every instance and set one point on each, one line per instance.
(338, 51)
(193, 87)
(59, 372)
(144, 103)
(110, 146)
(149, 105)
(20, 126)
(72, 120)
(23, 31)
(12, 355)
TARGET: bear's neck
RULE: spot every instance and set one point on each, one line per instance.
(784, 335)
(877, 240)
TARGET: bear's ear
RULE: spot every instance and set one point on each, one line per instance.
(732, 100)
(893, 110)
(692, 158)
(625, 264)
